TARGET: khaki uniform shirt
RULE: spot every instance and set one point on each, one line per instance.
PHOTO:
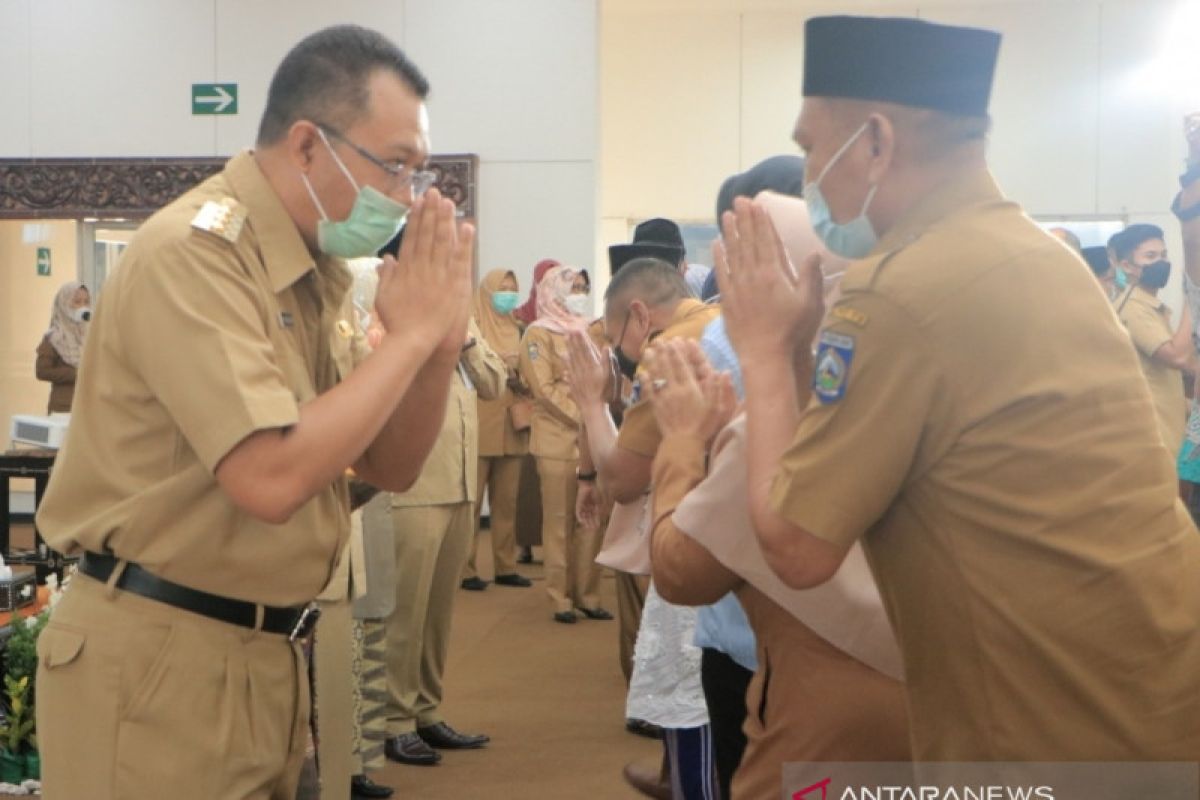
(1149, 322)
(450, 474)
(994, 444)
(201, 339)
(639, 432)
(555, 427)
(497, 436)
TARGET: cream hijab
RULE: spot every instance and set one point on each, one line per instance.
(847, 611)
(66, 334)
(499, 330)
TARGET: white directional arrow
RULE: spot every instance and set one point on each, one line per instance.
(221, 99)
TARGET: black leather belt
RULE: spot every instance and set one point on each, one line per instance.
(295, 622)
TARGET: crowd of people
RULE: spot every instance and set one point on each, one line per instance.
(896, 480)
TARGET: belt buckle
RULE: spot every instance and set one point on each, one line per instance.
(305, 622)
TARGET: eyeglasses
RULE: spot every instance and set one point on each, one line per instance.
(401, 176)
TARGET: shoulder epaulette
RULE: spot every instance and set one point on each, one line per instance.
(224, 218)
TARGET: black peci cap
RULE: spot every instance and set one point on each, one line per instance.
(899, 60)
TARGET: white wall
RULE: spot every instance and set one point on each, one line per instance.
(514, 82)
(694, 91)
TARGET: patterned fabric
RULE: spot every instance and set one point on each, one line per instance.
(370, 693)
(1189, 454)
(665, 688)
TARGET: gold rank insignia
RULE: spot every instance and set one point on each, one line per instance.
(223, 218)
(344, 329)
(851, 315)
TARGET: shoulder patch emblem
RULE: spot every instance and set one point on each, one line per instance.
(851, 315)
(834, 356)
(635, 395)
(224, 218)
(533, 351)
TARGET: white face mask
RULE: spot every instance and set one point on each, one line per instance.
(579, 305)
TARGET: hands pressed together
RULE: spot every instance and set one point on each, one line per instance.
(426, 292)
(690, 397)
(771, 307)
(589, 371)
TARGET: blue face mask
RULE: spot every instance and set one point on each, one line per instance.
(505, 302)
(853, 239)
(374, 220)
(1122, 280)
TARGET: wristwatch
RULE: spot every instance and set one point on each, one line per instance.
(586, 477)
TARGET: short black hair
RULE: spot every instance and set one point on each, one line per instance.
(652, 280)
(1130, 239)
(324, 79)
(1097, 260)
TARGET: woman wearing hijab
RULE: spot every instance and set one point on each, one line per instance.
(527, 313)
(572, 576)
(501, 446)
(841, 696)
(61, 348)
(529, 500)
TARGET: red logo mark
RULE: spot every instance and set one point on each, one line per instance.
(803, 794)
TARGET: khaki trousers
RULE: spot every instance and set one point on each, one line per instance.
(569, 549)
(631, 597)
(431, 547)
(136, 699)
(333, 654)
(501, 476)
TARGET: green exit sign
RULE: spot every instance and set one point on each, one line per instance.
(214, 98)
(43, 260)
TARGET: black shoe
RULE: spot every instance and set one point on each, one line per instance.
(595, 613)
(409, 748)
(444, 737)
(565, 616)
(513, 580)
(525, 556)
(640, 727)
(475, 584)
(361, 786)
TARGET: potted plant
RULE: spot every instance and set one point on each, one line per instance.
(16, 731)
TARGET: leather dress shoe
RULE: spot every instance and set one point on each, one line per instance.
(361, 786)
(565, 616)
(513, 580)
(595, 613)
(647, 780)
(442, 736)
(475, 584)
(525, 556)
(409, 748)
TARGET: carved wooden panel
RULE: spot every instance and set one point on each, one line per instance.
(71, 188)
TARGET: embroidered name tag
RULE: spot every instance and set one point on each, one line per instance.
(851, 315)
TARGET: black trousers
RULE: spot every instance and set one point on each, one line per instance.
(725, 683)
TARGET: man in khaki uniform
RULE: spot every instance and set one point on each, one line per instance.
(203, 478)
(643, 302)
(994, 447)
(434, 523)
(1162, 353)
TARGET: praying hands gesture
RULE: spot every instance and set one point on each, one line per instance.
(690, 398)
(589, 371)
(770, 307)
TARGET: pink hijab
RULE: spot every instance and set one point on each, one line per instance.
(553, 291)
(528, 312)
